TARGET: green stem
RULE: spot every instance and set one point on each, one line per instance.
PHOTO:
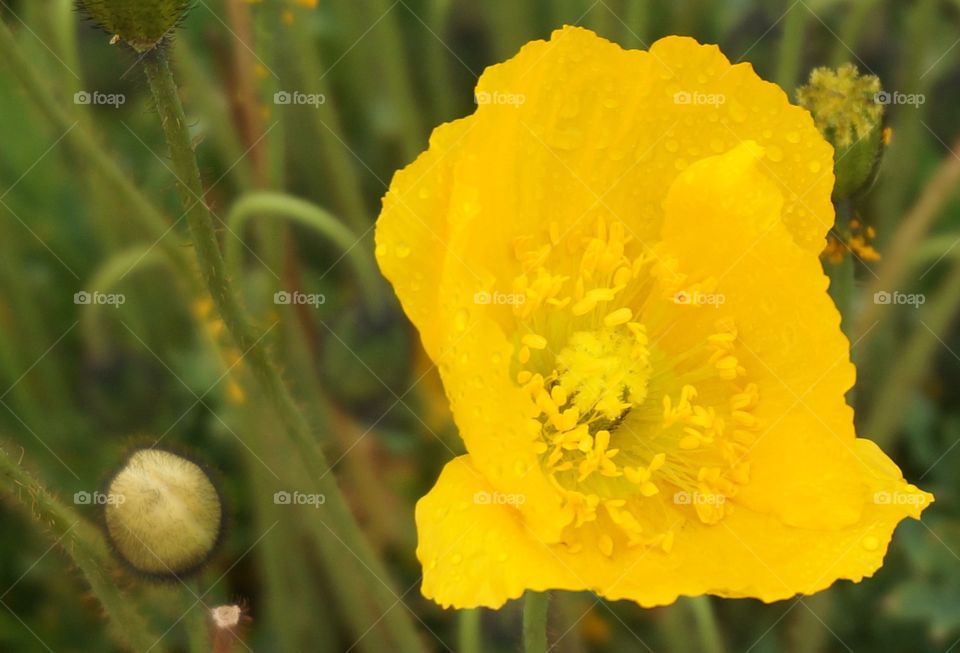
(535, 608)
(468, 635)
(909, 235)
(277, 205)
(706, 622)
(198, 635)
(87, 148)
(106, 278)
(344, 185)
(791, 48)
(80, 541)
(913, 359)
(235, 319)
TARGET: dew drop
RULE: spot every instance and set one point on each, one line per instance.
(774, 153)
(814, 166)
(870, 543)
(736, 111)
(793, 137)
(402, 250)
(461, 319)
(672, 145)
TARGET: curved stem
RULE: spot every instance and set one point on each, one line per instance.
(535, 609)
(80, 541)
(107, 276)
(278, 205)
(295, 426)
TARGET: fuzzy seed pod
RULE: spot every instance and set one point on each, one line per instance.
(170, 517)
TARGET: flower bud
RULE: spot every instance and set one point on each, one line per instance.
(141, 24)
(848, 110)
(170, 518)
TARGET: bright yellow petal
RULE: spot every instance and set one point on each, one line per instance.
(749, 554)
(413, 230)
(475, 548)
(722, 224)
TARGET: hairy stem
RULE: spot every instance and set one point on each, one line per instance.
(266, 374)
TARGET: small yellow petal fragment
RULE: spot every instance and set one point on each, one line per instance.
(617, 317)
(534, 341)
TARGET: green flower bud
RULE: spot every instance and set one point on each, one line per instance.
(142, 24)
(167, 517)
(848, 110)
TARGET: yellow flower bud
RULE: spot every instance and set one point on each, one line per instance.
(847, 108)
(168, 516)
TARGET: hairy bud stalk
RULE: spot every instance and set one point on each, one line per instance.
(141, 24)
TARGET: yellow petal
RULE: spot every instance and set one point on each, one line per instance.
(474, 547)
(722, 222)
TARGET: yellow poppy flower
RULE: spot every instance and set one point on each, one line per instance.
(614, 264)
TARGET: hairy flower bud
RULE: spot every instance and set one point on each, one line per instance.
(170, 517)
(847, 108)
(142, 24)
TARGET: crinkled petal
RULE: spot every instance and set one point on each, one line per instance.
(476, 550)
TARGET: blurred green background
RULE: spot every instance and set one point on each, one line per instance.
(80, 383)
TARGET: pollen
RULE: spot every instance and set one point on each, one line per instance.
(623, 429)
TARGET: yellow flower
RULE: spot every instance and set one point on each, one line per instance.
(614, 264)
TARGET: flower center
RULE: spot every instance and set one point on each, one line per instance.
(629, 420)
